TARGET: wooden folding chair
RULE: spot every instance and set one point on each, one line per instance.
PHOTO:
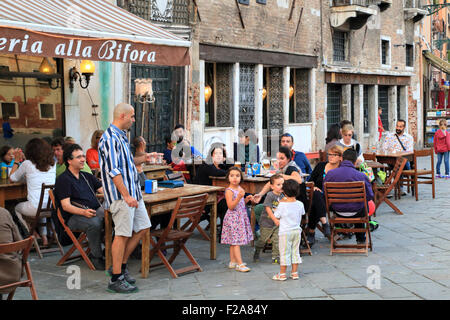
(345, 192)
(412, 178)
(35, 222)
(186, 207)
(391, 182)
(78, 243)
(24, 246)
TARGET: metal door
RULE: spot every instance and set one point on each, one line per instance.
(160, 117)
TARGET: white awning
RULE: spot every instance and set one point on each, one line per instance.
(110, 31)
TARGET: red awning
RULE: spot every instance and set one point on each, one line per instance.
(86, 29)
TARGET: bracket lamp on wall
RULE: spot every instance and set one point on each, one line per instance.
(48, 68)
(144, 91)
(87, 69)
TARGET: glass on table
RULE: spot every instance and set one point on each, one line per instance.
(265, 164)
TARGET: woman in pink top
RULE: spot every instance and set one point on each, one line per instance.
(92, 153)
(441, 144)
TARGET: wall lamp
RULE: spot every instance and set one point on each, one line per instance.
(143, 91)
(48, 68)
(87, 69)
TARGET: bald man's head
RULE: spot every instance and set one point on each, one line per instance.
(123, 116)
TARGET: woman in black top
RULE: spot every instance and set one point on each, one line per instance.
(214, 167)
(317, 176)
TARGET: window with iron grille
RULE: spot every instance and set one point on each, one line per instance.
(383, 102)
(366, 108)
(299, 108)
(409, 55)
(334, 97)
(339, 46)
(385, 52)
(219, 107)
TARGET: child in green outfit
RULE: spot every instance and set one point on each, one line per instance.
(268, 229)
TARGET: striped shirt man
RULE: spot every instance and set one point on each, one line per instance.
(115, 158)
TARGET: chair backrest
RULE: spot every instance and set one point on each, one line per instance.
(345, 192)
(22, 246)
(396, 172)
(188, 207)
(370, 156)
(322, 156)
(43, 209)
(58, 211)
(424, 153)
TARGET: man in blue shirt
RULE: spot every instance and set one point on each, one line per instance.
(348, 173)
(123, 196)
(7, 130)
(287, 140)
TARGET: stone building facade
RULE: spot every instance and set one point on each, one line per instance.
(298, 67)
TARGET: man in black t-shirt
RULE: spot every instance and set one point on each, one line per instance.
(75, 193)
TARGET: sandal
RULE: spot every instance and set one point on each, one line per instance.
(279, 277)
(233, 265)
(242, 268)
(294, 275)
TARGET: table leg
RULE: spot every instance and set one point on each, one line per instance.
(145, 265)
(213, 229)
(108, 239)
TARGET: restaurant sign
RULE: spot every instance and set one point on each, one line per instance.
(35, 43)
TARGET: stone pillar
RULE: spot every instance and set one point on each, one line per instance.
(286, 80)
(312, 106)
(346, 107)
(236, 101)
(259, 84)
(404, 104)
(358, 102)
(392, 100)
(373, 116)
(198, 126)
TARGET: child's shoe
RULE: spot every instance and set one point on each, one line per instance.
(232, 265)
(438, 176)
(447, 176)
(276, 260)
(242, 268)
(279, 277)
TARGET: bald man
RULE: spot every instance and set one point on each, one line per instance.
(123, 197)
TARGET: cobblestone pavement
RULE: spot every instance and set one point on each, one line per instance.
(411, 252)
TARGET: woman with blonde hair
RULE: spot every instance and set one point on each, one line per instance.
(92, 153)
(347, 142)
(334, 155)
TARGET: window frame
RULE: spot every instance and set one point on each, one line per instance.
(389, 52)
(40, 112)
(16, 106)
(345, 44)
(411, 46)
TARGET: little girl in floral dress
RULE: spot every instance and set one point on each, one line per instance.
(236, 228)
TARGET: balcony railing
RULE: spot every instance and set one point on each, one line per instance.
(362, 3)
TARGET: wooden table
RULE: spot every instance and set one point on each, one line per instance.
(162, 202)
(155, 171)
(12, 191)
(251, 185)
(391, 158)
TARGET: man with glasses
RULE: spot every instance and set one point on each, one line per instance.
(58, 146)
(287, 140)
(75, 192)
